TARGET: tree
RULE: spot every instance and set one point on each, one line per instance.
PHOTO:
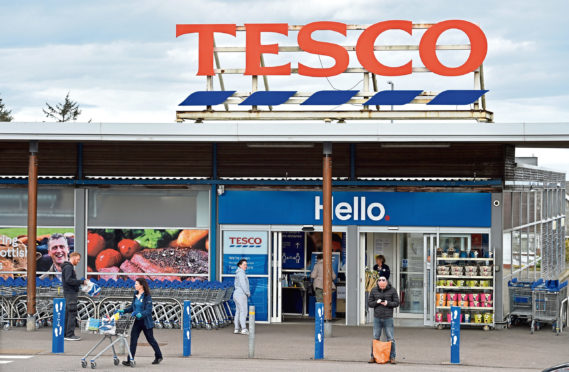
(68, 110)
(5, 113)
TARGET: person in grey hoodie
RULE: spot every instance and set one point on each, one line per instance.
(240, 296)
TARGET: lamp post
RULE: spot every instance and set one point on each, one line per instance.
(392, 86)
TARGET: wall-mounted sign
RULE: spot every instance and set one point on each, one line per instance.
(356, 208)
(250, 245)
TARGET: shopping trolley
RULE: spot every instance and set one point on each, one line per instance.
(547, 301)
(520, 300)
(118, 330)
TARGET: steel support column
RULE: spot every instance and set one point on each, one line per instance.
(327, 229)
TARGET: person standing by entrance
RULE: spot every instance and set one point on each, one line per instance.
(383, 298)
(318, 275)
(71, 286)
(381, 267)
(240, 296)
(141, 309)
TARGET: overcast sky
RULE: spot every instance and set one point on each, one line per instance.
(121, 61)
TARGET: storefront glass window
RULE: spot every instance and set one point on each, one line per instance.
(55, 207)
(55, 215)
(148, 208)
(411, 273)
(152, 233)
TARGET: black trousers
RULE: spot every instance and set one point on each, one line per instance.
(138, 327)
(70, 313)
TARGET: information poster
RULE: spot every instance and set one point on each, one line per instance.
(293, 250)
(250, 245)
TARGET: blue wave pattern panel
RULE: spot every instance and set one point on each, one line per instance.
(334, 97)
(269, 98)
(330, 97)
(207, 98)
(393, 97)
(457, 97)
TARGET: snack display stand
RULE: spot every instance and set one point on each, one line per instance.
(466, 280)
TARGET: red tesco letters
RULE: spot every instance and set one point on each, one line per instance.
(364, 47)
(245, 240)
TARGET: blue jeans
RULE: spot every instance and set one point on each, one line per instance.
(385, 324)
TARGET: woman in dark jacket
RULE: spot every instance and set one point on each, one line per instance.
(141, 309)
(381, 267)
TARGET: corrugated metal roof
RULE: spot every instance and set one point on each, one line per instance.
(142, 178)
(40, 177)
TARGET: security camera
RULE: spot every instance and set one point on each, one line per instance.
(220, 190)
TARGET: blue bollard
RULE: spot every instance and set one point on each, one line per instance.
(455, 335)
(187, 328)
(57, 335)
(319, 331)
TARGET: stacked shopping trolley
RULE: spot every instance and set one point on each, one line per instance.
(210, 307)
(539, 302)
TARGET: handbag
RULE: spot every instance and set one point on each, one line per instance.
(310, 289)
(381, 351)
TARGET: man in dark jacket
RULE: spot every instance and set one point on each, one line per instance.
(71, 291)
(383, 299)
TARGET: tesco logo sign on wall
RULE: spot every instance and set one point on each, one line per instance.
(364, 49)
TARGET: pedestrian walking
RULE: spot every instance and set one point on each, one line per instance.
(240, 296)
(383, 298)
(318, 275)
(71, 286)
(141, 309)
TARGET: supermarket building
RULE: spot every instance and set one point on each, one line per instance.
(424, 196)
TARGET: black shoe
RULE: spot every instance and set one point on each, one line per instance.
(157, 361)
(126, 363)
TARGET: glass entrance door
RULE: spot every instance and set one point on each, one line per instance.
(429, 247)
(411, 283)
(276, 278)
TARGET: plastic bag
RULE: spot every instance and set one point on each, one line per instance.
(381, 351)
(91, 289)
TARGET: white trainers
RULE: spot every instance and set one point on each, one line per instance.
(236, 331)
(245, 332)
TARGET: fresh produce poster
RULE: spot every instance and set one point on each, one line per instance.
(133, 253)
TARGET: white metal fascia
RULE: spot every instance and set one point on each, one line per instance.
(523, 134)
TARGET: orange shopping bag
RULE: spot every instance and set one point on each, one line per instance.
(381, 351)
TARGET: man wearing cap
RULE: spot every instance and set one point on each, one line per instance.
(383, 299)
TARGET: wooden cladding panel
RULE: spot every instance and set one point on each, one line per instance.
(457, 160)
(147, 159)
(240, 160)
(54, 158)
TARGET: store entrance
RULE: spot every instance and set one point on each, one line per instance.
(293, 256)
(408, 256)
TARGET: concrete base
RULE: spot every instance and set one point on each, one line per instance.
(31, 323)
(327, 329)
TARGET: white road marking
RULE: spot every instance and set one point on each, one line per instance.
(16, 356)
(5, 361)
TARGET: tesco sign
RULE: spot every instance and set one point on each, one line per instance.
(364, 47)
